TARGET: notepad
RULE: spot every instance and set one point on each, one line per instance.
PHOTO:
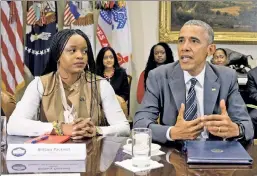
(52, 139)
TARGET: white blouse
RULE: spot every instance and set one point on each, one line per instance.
(24, 120)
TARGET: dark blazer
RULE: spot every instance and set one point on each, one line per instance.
(166, 90)
(252, 92)
(119, 82)
(252, 84)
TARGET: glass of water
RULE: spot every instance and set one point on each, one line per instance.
(3, 133)
(141, 147)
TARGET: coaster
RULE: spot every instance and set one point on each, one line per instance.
(127, 164)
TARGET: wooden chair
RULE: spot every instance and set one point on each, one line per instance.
(129, 82)
(8, 103)
(125, 104)
(128, 102)
(141, 87)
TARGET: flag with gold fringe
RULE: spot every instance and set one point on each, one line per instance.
(79, 15)
(41, 26)
(12, 58)
(113, 30)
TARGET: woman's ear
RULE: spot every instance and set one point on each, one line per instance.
(211, 49)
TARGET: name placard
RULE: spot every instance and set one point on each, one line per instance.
(46, 166)
(41, 152)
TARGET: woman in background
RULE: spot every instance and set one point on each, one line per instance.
(219, 57)
(107, 66)
(160, 54)
(71, 98)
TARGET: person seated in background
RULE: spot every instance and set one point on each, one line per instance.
(252, 93)
(220, 57)
(160, 54)
(195, 99)
(69, 95)
(107, 66)
(8, 103)
(232, 59)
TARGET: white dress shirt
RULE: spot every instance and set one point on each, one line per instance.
(199, 90)
(24, 120)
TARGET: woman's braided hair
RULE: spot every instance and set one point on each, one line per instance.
(58, 43)
(57, 46)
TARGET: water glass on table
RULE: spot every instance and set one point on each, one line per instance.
(141, 146)
(3, 133)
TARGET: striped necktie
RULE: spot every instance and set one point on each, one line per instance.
(191, 102)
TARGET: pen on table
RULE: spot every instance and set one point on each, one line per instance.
(39, 139)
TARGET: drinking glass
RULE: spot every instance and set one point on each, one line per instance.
(141, 147)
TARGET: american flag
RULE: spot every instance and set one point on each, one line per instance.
(12, 67)
(31, 16)
(70, 13)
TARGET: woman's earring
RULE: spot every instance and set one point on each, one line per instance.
(58, 64)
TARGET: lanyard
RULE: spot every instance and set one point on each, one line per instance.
(69, 112)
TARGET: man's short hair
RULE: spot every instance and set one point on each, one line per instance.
(206, 26)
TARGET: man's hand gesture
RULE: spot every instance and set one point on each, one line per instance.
(221, 124)
(184, 130)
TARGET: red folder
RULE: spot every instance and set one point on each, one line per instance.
(52, 139)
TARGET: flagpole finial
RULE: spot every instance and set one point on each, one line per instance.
(121, 3)
(109, 4)
(13, 13)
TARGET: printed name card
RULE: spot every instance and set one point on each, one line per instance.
(46, 166)
(46, 152)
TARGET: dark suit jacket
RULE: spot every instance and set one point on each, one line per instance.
(166, 90)
(252, 92)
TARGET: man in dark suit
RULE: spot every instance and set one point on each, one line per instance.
(194, 99)
(252, 92)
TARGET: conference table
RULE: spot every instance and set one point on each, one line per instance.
(103, 152)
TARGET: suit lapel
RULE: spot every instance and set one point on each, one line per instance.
(177, 85)
(211, 90)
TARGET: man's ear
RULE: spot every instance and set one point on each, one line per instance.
(211, 49)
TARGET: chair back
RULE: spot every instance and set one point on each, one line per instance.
(129, 82)
(8, 103)
(141, 87)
